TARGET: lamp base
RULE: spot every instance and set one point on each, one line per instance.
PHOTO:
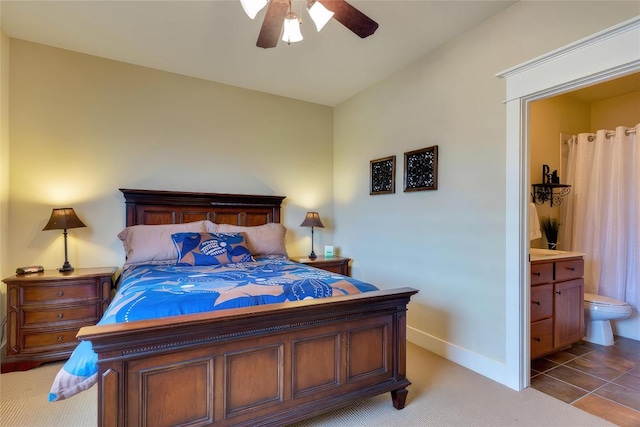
(66, 267)
(313, 255)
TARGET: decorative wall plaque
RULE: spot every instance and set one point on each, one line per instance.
(383, 175)
(421, 169)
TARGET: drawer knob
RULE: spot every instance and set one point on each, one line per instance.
(535, 302)
(60, 338)
(60, 315)
(60, 293)
(536, 339)
(536, 273)
(571, 268)
(559, 292)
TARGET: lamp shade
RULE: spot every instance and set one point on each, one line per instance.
(291, 33)
(312, 220)
(319, 14)
(252, 7)
(63, 219)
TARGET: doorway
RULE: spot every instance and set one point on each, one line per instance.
(561, 71)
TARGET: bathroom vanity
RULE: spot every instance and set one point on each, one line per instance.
(557, 300)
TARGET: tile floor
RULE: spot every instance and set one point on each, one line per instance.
(604, 381)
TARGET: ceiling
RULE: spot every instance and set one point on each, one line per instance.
(215, 40)
(609, 89)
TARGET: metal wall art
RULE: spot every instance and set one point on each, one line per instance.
(421, 169)
(383, 176)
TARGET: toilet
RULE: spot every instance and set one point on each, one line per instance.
(598, 312)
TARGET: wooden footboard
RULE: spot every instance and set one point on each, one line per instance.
(269, 365)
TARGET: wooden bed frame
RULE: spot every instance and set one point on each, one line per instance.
(268, 365)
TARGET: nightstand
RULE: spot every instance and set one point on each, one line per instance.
(334, 264)
(46, 310)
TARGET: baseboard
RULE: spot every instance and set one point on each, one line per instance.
(628, 328)
(484, 366)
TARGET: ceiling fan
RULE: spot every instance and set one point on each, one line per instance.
(279, 14)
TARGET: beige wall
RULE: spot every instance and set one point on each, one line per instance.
(4, 168)
(548, 119)
(448, 243)
(621, 110)
(82, 127)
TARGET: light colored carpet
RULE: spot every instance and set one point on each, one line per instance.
(442, 394)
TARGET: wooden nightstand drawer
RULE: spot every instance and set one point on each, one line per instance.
(54, 292)
(338, 265)
(338, 269)
(38, 342)
(85, 314)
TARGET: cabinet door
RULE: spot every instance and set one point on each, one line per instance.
(569, 312)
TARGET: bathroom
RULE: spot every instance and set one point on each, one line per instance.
(603, 106)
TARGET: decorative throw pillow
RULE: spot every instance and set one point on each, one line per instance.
(153, 244)
(267, 239)
(211, 248)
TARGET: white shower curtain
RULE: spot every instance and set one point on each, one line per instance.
(601, 216)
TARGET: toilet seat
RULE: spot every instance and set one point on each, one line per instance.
(602, 300)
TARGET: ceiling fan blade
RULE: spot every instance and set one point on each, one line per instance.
(351, 17)
(272, 24)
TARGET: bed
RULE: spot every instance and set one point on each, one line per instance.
(270, 364)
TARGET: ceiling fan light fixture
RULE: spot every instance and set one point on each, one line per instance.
(291, 33)
(319, 14)
(252, 7)
(280, 23)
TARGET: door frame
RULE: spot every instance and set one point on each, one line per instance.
(603, 56)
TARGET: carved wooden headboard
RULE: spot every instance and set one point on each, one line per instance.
(153, 207)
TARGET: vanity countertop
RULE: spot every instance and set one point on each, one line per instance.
(536, 254)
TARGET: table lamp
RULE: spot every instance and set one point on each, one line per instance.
(312, 220)
(63, 219)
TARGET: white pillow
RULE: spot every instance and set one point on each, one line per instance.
(153, 243)
(267, 239)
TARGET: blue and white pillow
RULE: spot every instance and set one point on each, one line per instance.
(211, 248)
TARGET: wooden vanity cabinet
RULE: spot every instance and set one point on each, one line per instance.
(557, 304)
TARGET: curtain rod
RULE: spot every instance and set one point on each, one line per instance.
(591, 138)
(626, 132)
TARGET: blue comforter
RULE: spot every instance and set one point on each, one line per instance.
(152, 291)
